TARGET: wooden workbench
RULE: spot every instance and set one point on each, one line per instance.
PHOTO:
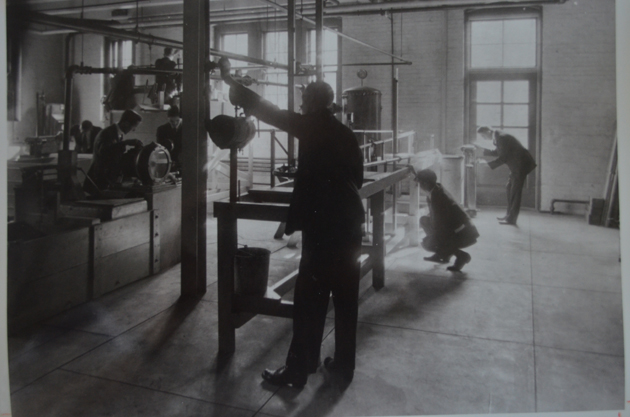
(272, 205)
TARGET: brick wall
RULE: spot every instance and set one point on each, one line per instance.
(578, 99)
(578, 86)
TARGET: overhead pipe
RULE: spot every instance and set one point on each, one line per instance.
(336, 32)
(96, 26)
(408, 6)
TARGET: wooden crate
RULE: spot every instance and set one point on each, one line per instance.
(46, 276)
(125, 250)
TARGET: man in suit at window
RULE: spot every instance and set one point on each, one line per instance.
(109, 148)
(520, 162)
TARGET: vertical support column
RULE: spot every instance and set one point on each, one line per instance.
(413, 227)
(291, 76)
(233, 174)
(377, 206)
(395, 187)
(195, 107)
(226, 249)
(319, 37)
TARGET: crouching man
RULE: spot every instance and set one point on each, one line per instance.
(448, 228)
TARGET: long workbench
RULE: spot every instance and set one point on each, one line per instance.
(272, 205)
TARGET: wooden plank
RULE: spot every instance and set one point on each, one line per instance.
(263, 305)
(104, 209)
(382, 181)
(253, 211)
(122, 234)
(274, 195)
(227, 239)
(377, 207)
(30, 302)
(33, 259)
(169, 202)
(121, 268)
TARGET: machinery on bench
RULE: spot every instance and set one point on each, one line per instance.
(65, 249)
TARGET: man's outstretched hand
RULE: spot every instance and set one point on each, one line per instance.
(225, 66)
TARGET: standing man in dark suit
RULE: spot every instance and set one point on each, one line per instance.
(448, 228)
(520, 162)
(169, 83)
(88, 136)
(327, 208)
(169, 135)
(109, 147)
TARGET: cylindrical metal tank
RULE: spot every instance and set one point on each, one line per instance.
(362, 108)
(362, 111)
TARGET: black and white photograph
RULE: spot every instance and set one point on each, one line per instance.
(314, 208)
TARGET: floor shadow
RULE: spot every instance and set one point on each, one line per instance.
(323, 400)
(175, 317)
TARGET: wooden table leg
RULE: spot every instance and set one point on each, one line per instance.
(377, 206)
(227, 241)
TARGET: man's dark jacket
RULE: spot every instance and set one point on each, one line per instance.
(450, 223)
(510, 152)
(325, 202)
(171, 139)
(107, 159)
(88, 138)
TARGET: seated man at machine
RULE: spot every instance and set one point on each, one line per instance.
(88, 136)
(327, 208)
(448, 228)
(109, 147)
(169, 135)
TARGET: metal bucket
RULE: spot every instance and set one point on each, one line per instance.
(251, 271)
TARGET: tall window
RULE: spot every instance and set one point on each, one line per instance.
(329, 55)
(502, 69)
(502, 73)
(236, 43)
(120, 54)
(276, 46)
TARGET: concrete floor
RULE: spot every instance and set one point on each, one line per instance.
(534, 324)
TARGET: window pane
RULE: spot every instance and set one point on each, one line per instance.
(276, 49)
(519, 31)
(508, 43)
(486, 32)
(237, 44)
(519, 55)
(489, 114)
(520, 134)
(489, 92)
(516, 115)
(486, 56)
(516, 91)
(127, 53)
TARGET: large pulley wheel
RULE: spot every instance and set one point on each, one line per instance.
(153, 164)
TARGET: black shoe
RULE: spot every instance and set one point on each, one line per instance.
(284, 376)
(436, 258)
(331, 365)
(460, 261)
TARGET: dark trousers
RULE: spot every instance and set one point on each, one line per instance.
(514, 189)
(444, 248)
(324, 270)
